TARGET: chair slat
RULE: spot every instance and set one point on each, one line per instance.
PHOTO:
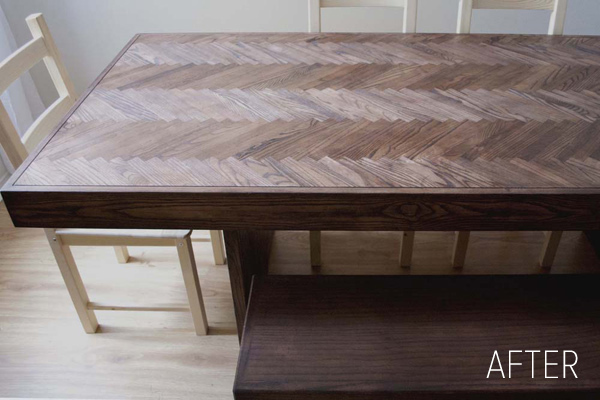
(20, 61)
(363, 3)
(557, 19)
(58, 72)
(410, 11)
(41, 47)
(513, 4)
(45, 122)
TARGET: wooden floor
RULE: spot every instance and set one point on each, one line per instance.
(44, 352)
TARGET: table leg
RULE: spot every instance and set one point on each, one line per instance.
(247, 254)
(594, 238)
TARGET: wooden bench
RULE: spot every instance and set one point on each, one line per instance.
(420, 337)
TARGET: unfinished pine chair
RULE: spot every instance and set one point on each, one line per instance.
(42, 47)
(556, 27)
(409, 26)
(557, 18)
(410, 11)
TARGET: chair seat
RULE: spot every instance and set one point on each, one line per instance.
(121, 237)
(419, 337)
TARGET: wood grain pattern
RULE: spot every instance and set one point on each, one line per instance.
(360, 210)
(418, 338)
(294, 113)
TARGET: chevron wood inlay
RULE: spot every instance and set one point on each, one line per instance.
(339, 105)
(337, 111)
(312, 52)
(340, 110)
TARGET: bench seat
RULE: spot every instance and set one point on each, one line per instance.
(419, 337)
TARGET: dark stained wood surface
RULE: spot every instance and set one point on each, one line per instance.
(417, 338)
(349, 210)
(247, 255)
(184, 116)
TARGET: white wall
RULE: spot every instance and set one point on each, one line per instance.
(89, 33)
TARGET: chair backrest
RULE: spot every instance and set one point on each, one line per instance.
(557, 20)
(41, 47)
(410, 11)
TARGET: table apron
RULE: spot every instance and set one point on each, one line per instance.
(305, 211)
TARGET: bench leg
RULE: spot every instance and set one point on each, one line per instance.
(406, 248)
(549, 249)
(192, 284)
(315, 248)
(247, 255)
(216, 240)
(459, 254)
(70, 274)
(122, 254)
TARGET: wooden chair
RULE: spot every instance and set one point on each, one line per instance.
(410, 11)
(42, 47)
(410, 25)
(557, 19)
(556, 27)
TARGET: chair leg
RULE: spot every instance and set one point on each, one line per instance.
(406, 248)
(70, 274)
(192, 284)
(461, 243)
(122, 254)
(315, 248)
(549, 249)
(216, 239)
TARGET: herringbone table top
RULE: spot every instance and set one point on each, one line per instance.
(336, 110)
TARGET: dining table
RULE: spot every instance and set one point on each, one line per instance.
(252, 133)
